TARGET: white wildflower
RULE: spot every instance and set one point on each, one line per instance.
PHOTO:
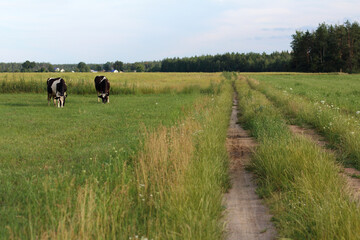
(357, 112)
(322, 102)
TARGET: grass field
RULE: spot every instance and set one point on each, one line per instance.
(134, 168)
(121, 83)
(300, 181)
(316, 106)
(152, 164)
(337, 90)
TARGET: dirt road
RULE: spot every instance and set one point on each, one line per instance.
(247, 218)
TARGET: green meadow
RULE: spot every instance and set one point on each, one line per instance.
(152, 164)
(121, 170)
(337, 90)
(121, 83)
(72, 143)
(300, 181)
(327, 102)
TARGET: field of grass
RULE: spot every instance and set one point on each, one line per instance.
(144, 166)
(299, 180)
(152, 164)
(121, 83)
(337, 90)
(340, 125)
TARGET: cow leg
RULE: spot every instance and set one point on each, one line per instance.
(54, 100)
(108, 100)
(98, 96)
(49, 98)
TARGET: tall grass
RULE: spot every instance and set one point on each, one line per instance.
(43, 166)
(340, 129)
(171, 189)
(301, 182)
(124, 83)
(177, 187)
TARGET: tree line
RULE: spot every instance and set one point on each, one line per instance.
(327, 49)
(27, 66)
(239, 62)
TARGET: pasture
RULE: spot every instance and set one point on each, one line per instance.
(327, 102)
(304, 184)
(93, 170)
(152, 164)
(337, 90)
(121, 83)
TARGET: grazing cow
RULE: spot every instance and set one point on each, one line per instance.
(102, 86)
(56, 88)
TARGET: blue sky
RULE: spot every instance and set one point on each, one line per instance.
(97, 31)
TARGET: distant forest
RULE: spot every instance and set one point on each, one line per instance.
(327, 49)
(239, 62)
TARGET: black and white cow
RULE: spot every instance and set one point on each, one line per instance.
(102, 86)
(56, 88)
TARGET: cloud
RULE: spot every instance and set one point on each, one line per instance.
(134, 30)
(266, 26)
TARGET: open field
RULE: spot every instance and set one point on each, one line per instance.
(135, 168)
(152, 164)
(301, 182)
(40, 143)
(121, 83)
(316, 106)
(337, 90)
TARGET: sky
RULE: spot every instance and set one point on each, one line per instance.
(98, 31)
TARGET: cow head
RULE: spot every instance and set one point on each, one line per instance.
(61, 100)
(104, 97)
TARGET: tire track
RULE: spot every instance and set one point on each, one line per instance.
(350, 174)
(247, 218)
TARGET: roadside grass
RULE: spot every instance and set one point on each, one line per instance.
(151, 166)
(121, 83)
(300, 181)
(341, 130)
(187, 166)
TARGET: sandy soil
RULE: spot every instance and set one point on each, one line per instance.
(247, 218)
(349, 173)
